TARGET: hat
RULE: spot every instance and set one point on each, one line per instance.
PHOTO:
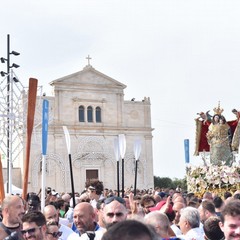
(159, 206)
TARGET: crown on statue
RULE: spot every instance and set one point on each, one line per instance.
(218, 110)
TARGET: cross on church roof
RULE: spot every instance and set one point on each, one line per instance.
(88, 58)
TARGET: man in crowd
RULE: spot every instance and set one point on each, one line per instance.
(212, 229)
(177, 206)
(34, 226)
(160, 223)
(166, 207)
(230, 220)
(51, 214)
(130, 230)
(189, 224)
(99, 212)
(84, 219)
(12, 212)
(33, 202)
(95, 190)
(207, 196)
(147, 202)
(219, 205)
(206, 210)
(114, 211)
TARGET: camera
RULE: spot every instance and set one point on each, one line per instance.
(13, 236)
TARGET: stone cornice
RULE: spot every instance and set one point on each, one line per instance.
(77, 99)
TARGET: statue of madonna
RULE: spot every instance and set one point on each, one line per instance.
(219, 139)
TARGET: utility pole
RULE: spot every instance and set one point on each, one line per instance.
(9, 110)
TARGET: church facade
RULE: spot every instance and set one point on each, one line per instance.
(92, 106)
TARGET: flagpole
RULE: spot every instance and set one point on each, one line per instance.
(45, 117)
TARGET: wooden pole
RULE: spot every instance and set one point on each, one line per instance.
(32, 95)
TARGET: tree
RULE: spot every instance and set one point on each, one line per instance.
(166, 182)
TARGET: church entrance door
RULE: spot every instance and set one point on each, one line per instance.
(91, 175)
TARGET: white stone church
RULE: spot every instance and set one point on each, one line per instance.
(93, 108)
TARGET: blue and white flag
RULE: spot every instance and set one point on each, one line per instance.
(45, 117)
(186, 148)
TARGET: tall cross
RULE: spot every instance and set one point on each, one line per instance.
(88, 58)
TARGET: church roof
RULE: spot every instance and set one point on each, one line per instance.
(88, 76)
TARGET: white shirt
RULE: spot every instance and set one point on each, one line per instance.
(66, 231)
(64, 221)
(176, 229)
(98, 235)
(194, 233)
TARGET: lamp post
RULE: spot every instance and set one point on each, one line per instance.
(9, 113)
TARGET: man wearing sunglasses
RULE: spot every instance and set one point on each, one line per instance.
(34, 226)
(12, 212)
(53, 231)
(51, 214)
(114, 211)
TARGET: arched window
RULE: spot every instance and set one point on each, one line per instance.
(98, 115)
(90, 114)
(81, 114)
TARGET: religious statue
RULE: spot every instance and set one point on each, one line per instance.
(219, 140)
(217, 136)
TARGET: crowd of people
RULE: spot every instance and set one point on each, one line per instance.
(101, 214)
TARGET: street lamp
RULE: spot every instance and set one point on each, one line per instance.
(14, 65)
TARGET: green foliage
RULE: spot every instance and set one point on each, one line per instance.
(166, 182)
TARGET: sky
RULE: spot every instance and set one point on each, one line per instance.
(183, 54)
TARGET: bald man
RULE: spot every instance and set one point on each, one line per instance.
(177, 206)
(52, 215)
(84, 219)
(12, 212)
(114, 211)
(160, 223)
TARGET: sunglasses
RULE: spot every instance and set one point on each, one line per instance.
(55, 234)
(114, 198)
(30, 231)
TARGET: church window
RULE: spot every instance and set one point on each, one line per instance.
(81, 114)
(90, 114)
(98, 114)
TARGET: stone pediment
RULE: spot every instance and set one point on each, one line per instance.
(87, 77)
